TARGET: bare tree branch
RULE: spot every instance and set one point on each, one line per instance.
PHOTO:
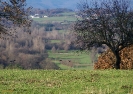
(12, 14)
(109, 23)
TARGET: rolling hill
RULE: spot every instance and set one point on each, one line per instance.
(51, 4)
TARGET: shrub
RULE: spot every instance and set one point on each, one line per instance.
(107, 59)
(47, 64)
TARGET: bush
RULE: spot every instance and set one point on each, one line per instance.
(47, 64)
(13, 66)
(107, 59)
(1, 66)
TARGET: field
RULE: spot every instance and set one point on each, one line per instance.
(77, 59)
(63, 18)
(55, 19)
(66, 82)
(74, 77)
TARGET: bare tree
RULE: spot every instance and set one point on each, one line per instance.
(93, 55)
(109, 22)
(53, 49)
(13, 13)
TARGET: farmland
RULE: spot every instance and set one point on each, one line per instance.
(80, 60)
(55, 19)
(63, 17)
(66, 82)
(75, 74)
(64, 59)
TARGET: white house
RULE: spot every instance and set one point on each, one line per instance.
(35, 16)
(45, 16)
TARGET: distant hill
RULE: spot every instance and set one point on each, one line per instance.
(51, 4)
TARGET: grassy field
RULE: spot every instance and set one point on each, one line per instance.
(66, 82)
(55, 19)
(76, 58)
(66, 16)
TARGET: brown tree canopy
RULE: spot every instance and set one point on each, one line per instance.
(109, 22)
(13, 13)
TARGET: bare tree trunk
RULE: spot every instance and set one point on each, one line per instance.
(118, 60)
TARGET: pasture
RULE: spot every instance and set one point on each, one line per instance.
(55, 19)
(71, 59)
(63, 18)
(66, 82)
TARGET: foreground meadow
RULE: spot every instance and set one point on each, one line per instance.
(66, 82)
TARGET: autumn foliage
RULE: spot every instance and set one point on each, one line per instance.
(107, 59)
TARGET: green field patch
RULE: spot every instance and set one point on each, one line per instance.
(62, 67)
(71, 57)
(66, 82)
(62, 31)
(55, 19)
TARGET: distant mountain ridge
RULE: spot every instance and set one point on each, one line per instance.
(52, 4)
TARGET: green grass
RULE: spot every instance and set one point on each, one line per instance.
(81, 58)
(66, 82)
(76, 58)
(55, 19)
